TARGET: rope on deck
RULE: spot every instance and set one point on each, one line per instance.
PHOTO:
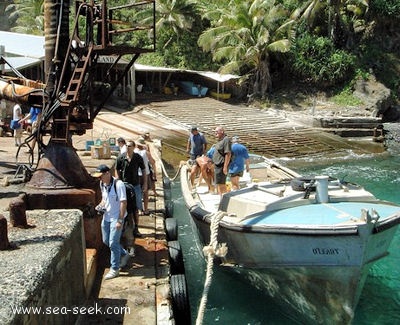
(210, 251)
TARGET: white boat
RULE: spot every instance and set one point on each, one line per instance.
(308, 243)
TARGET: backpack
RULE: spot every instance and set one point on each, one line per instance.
(130, 196)
(15, 125)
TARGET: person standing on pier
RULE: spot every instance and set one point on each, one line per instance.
(145, 178)
(113, 207)
(240, 159)
(35, 114)
(17, 115)
(127, 169)
(196, 147)
(221, 159)
(122, 145)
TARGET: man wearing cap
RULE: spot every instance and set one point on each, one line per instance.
(196, 147)
(240, 158)
(113, 207)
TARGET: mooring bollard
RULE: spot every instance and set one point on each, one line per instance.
(4, 243)
(18, 212)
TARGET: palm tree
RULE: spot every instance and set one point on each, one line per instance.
(177, 25)
(243, 37)
(28, 16)
(175, 17)
(341, 15)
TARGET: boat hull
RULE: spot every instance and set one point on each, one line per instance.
(318, 270)
(313, 295)
(320, 278)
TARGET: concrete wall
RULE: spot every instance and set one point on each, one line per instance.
(45, 270)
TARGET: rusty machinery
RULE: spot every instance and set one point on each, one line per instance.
(71, 97)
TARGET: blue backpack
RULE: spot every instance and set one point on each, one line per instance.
(15, 125)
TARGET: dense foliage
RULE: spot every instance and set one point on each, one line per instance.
(388, 8)
(322, 42)
(315, 58)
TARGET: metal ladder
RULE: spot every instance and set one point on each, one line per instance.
(61, 123)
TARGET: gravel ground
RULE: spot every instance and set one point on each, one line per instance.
(33, 253)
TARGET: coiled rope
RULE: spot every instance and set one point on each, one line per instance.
(210, 251)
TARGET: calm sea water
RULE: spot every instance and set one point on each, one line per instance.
(231, 301)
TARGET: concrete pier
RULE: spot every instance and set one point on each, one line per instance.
(141, 292)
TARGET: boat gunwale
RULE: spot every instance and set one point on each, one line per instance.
(202, 215)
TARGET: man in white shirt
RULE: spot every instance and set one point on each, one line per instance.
(113, 206)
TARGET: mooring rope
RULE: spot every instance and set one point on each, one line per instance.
(166, 173)
(210, 251)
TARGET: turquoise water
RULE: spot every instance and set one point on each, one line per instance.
(231, 301)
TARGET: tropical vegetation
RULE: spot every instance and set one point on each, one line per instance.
(325, 43)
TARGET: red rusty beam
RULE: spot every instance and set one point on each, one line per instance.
(21, 90)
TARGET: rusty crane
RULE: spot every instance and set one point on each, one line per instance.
(72, 95)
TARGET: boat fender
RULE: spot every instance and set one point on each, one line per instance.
(180, 299)
(176, 264)
(169, 209)
(167, 188)
(302, 183)
(166, 183)
(171, 228)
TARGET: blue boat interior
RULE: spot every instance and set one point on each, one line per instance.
(321, 214)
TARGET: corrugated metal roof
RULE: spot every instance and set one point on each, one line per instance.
(208, 74)
(20, 62)
(29, 47)
(23, 44)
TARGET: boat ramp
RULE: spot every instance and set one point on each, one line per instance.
(270, 132)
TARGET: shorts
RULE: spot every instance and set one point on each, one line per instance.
(144, 182)
(220, 177)
(138, 195)
(131, 206)
(194, 157)
(238, 174)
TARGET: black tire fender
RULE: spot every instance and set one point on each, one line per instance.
(167, 189)
(169, 209)
(166, 183)
(176, 264)
(180, 299)
(171, 228)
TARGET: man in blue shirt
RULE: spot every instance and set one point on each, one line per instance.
(196, 144)
(240, 157)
